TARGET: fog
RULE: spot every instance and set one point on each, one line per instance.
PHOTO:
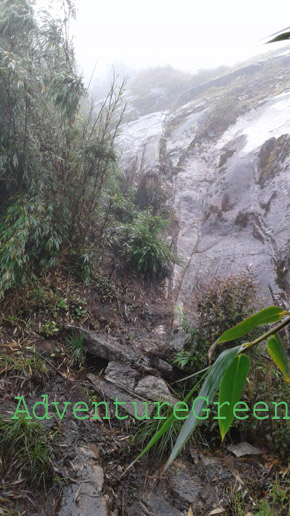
(186, 34)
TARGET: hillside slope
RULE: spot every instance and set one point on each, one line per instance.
(225, 157)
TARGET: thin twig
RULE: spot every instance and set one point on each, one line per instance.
(192, 375)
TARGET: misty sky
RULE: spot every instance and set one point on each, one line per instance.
(187, 34)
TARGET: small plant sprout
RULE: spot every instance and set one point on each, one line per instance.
(76, 349)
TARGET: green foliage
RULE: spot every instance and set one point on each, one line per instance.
(76, 349)
(230, 392)
(151, 194)
(207, 392)
(265, 383)
(80, 311)
(57, 157)
(9, 511)
(36, 296)
(144, 248)
(81, 264)
(26, 450)
(219, 373)
(281, 37)
(62, 304)
(265, 316)
(104, 287)
(162, 429)
(186, 359)
(277, 352)
(48, 329)
(58, 353)
(275, 501)
(28, 233)
(25, 367)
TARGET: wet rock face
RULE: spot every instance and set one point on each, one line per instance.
(140, 144)
(230, 190)
(274, 158)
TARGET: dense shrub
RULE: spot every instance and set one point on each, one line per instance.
(144, 249)
(218, 305)
(57, 157)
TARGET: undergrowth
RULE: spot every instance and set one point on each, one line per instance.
(25, 368)
(77, 350)
(148, 428)
(217, 305)
(27, 452)
(144, 248)
(276, 501)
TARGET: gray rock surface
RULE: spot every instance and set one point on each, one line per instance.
(230, 187)
(131, 402)
(110, 348)
(85, 496)
(122, 375)
(123, 382)
(155, 389)
(148, 387)
(154, 505)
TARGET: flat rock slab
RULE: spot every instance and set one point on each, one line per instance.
(122, 375)
(109, 348)
(149, 387)
(185, 485)
(230, 189)
(84, 498)
(111, 391)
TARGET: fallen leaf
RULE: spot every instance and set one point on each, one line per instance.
(241, 449)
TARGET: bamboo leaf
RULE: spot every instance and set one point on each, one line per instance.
(281, 37)
(231, 388)
(207, 392)
(278, 354)
(268, 315)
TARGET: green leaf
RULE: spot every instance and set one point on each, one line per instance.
(278, 354)
(280, 37)
(231, 388)
(208, 390)
(268, 315)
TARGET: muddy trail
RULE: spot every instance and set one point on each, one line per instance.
(127, 349)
